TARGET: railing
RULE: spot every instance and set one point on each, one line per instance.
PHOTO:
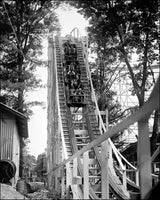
(76, 33)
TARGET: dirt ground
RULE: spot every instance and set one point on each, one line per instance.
(37, 191)
(8, 192)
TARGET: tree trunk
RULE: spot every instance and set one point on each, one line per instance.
(154, 133)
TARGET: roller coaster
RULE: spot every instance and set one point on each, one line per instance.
(83, 163)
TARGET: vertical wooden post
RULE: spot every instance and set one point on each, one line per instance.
(62, 183)
(74, 178)
(137, 177)
(85, 176)
(105, 174)
(104, 171)
(67, 175)
(107, 123)
(75, 167)
(144, 158)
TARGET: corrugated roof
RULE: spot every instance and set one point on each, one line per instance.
(21, 120)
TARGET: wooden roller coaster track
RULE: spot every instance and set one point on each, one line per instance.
(80, 148)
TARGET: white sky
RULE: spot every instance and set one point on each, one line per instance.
(69, 19)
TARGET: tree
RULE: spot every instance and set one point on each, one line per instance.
(123, 28)
(23, 25)
(103, 77)
(28, 162)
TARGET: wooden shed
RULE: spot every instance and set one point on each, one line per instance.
(13, 131)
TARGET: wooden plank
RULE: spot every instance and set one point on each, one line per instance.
(80, 132)
(144, 111)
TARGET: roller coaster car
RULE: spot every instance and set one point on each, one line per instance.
(76, 100)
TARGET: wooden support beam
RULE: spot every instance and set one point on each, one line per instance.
(104, 171)
(105, 162)
(68, 175)
(144, 158)
(85, 176)
(137, 177)
(63, 188)
(74, 182)
(75, 165)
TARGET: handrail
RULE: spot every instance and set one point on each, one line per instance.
(73, 32)
(59, 113)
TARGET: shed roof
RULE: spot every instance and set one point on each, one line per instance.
(21, 119)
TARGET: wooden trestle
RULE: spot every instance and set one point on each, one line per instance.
(71, 129)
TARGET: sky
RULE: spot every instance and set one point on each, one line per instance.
(37, 125)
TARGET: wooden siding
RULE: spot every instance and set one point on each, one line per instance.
(7, 125)
(9, 141)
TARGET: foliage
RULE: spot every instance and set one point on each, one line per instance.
(24, 25)
(121, 29)
(29, 162)
(103, 78)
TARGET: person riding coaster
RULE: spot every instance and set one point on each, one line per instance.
(70, 51)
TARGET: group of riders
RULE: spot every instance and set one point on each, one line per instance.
(73, 85)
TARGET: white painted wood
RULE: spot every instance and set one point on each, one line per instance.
(85, 176)
(80, 132)
(144, 158)
(137, 177)
(104, 171)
